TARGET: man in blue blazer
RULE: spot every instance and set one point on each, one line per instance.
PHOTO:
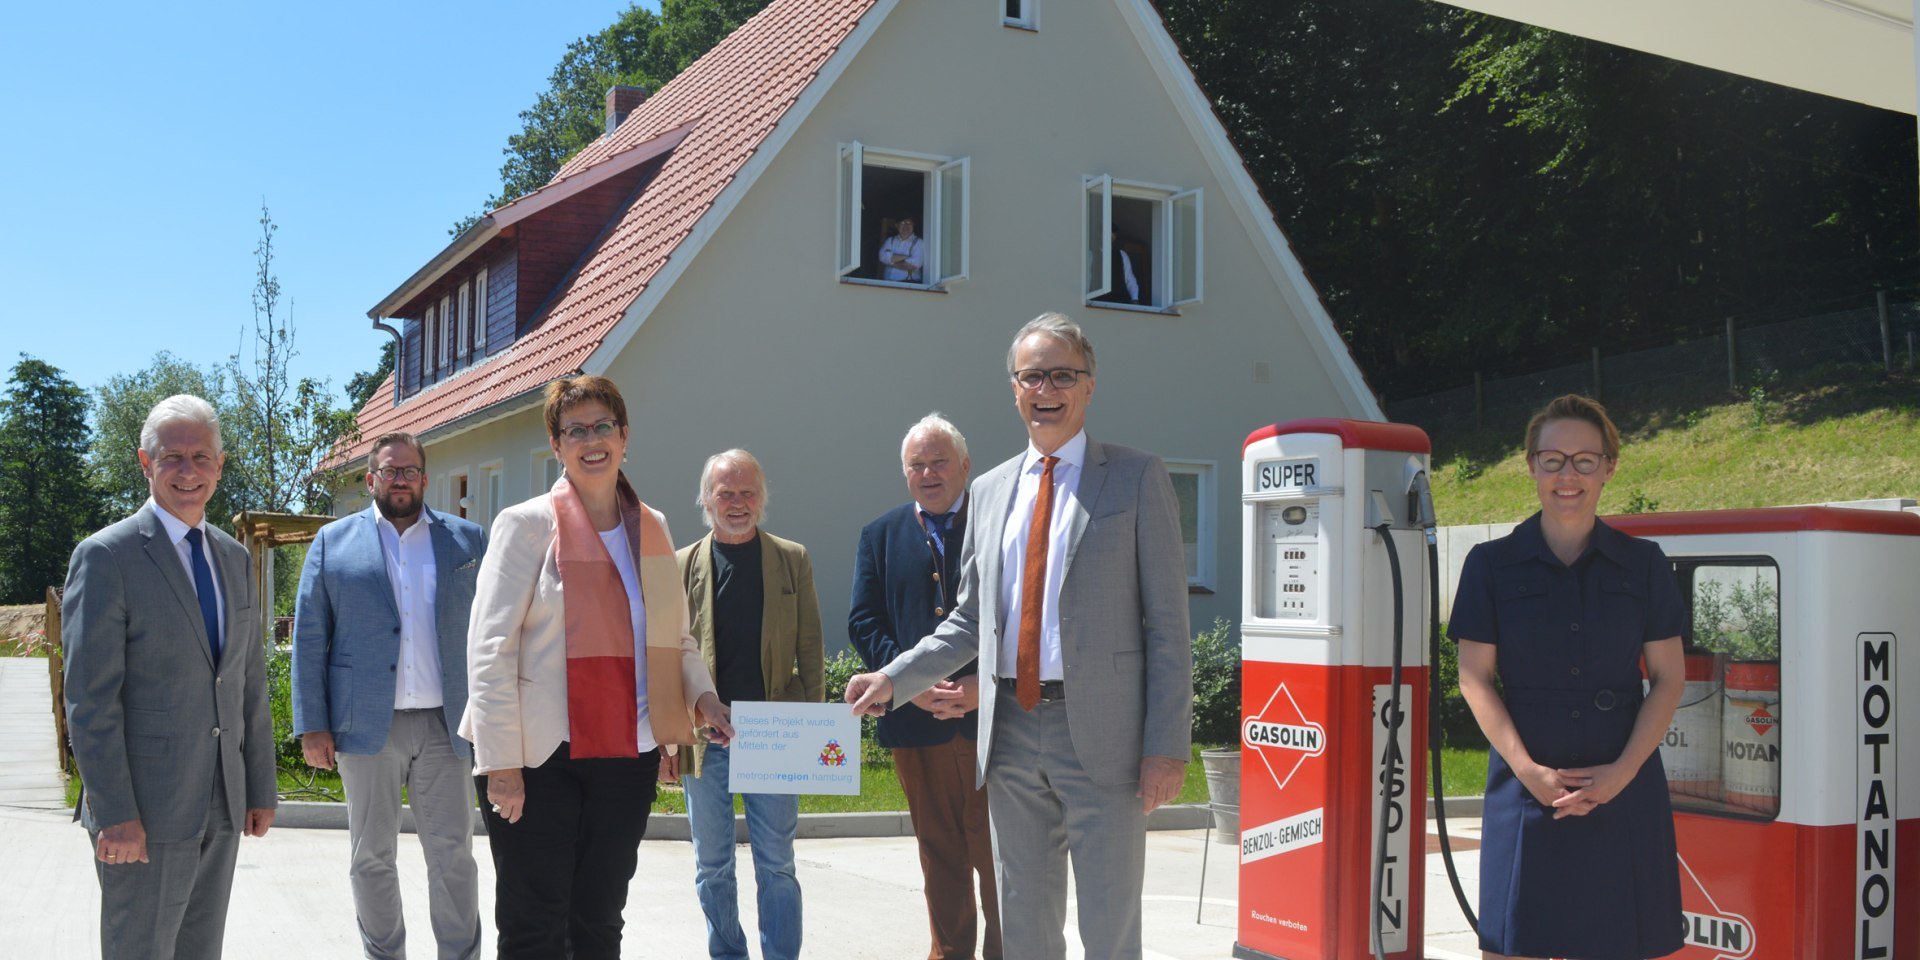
(379, 684)
(905, 580)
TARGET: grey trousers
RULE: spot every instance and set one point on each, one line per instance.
(175, 904)
(439, 786)
(1046, 813)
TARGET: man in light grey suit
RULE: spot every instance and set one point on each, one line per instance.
(379, 684)
(167, 700)
(1073, 595)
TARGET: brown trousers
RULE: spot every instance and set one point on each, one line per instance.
(950, 822)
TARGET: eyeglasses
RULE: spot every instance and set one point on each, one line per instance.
(1062, 377)
(578, 433)
(408, 474)
(1553, 461)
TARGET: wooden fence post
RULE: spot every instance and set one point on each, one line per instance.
(56, 677)
(1733, 367)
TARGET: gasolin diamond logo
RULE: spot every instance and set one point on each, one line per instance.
(1283, 738)
(1762, 722)
(1709, 930)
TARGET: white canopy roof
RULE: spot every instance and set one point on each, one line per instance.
(1860, 50)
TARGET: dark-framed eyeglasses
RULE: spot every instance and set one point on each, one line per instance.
(1061, 377)
(1553, 461)
(578, 433)
(409, 474)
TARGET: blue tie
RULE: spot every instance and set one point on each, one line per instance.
(937, 525)
(203, 585)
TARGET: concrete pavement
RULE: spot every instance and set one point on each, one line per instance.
(863, 896)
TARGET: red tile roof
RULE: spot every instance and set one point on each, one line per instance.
(735, 94)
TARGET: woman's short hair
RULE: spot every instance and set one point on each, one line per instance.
(1573, 406)
(725, 458)
(934, 423)
(1060, 327)
(179, 408)
(568, 392)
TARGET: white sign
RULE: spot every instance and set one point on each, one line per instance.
(1280, 836)
(1390, 776)
(1875, 800)
(794, 748)
(1286, 474)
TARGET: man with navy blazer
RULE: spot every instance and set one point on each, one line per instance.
(167, 700)
(379, 685)
(1074, 598)
(905, 579)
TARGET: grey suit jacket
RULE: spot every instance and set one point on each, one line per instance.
(1124, 639)
(346, 628)
(150, 714)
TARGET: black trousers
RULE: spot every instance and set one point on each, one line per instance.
(561, 873)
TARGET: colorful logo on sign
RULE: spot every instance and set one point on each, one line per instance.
(832, 755)
(1762, 722)
(1708, 929)
(1282, 736)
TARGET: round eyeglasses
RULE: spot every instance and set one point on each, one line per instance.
(408, 474)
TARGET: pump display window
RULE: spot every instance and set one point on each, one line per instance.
(1722, 751)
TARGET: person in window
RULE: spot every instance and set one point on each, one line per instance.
(1125, 287)
(903, 254)
(582, 672)
(1577, 854)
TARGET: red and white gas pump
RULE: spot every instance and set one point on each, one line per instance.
(1335, 587)
(1784, 760)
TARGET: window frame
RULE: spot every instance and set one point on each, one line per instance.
(940, 176)
(542, 455)
(493, 490)
(445, 333)
(463, 308)
(1175, 244)
(1029, 18)
(1206, 542)
(480, 314)
(1686, 569)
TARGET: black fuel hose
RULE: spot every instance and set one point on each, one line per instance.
(1434, 694)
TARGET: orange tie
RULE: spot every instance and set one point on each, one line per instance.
(1033, 591)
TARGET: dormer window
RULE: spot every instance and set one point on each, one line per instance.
(1021, 14)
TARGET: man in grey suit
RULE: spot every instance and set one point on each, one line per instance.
(379, 684)
(1073, 596)
(167, 700)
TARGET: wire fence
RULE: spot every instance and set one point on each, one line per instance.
(1884, 338)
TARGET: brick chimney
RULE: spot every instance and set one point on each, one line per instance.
(621, 101)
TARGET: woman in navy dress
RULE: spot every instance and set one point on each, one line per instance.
(1577, 854)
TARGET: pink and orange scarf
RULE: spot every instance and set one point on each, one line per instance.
(602, 707)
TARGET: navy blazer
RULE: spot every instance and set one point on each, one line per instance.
(896, 601)
(346, 634)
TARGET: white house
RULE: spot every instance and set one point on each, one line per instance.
(716, 254)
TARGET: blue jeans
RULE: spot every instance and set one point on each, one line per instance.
(772, 821)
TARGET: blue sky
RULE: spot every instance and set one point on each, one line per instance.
(141, 139)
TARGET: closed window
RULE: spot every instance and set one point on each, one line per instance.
(446, 332)
(1193, 488)
(1142, 244)
(464, 343)
(480, 313)
(1020, 13)
(903, 217)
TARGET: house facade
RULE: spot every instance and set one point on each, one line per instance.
(718, 254)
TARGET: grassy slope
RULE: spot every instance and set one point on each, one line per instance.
(1855, 437)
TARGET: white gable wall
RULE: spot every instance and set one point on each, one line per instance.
(758, 345)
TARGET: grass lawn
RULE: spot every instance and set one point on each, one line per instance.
(1465, 770)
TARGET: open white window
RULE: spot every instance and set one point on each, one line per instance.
(903, 217)
(480, 313)
(1020, 13)
(464, 336)
(1193, 488)
(1142, 244)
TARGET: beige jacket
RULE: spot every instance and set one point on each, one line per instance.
(517, 645)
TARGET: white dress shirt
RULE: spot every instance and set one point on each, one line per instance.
(622, 554)
(913, 248)
(412, 576)
(1013, 555)
(177, 532)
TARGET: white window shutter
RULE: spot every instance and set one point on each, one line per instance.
(1097, 199)
(852, 160)
(953, 181)
(1188, 247)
